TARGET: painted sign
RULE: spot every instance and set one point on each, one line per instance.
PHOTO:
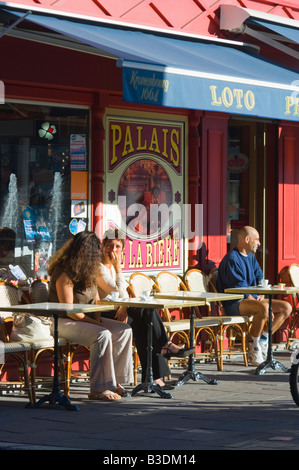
(144, 190)
(197, 90)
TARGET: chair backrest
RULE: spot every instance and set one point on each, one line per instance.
(9, 295)
(39, 291)
(139, 282)
(167, 281)
(294, 274)
(213, 279)
(196, 280)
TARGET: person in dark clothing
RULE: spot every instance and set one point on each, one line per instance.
(239, 268)
(112, 280)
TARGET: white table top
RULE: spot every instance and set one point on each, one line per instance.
(198, 295)
(50, 308)
(268, 290)
(153, 302)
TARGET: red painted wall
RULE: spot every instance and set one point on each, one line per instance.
(213, 183)
(288, 195)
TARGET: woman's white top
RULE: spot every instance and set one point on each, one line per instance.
(115, 280)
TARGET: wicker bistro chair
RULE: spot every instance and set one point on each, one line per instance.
(166, 281)
(293, 278)
(139, 282)
(9, 295)
(196, 280)
(20, 352)
(12, 295)
(232, 325)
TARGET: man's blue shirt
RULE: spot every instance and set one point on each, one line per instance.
(237, 270)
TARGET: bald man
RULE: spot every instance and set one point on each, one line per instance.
(239, 268)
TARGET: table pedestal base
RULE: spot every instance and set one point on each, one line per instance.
(53, 398)
(149, 387)
(275, 365)
(192, 374)
(196, 376)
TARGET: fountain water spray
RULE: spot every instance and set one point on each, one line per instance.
(55, 209)
(10, 217)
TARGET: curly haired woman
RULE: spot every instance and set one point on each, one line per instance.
(74, 270)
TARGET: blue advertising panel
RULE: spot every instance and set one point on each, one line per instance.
(195, 90)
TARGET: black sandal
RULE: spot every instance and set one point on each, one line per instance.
(122, 392)
(183, 352)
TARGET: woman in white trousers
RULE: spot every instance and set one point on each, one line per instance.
(73, 271)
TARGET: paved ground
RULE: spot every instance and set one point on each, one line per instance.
(243, 412)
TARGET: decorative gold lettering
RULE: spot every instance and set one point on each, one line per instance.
(115, 141)
(131, 258)
(168, 257)
(215, 101)
(154, 142)
(289, 104)
(139, 146)
(128, 142)
(249, 100)
(292, 103)
(130, 138)
(238, 95)
(174, 150)
(161, 252)
(227, 97)
(155, 255)
(149, 255)
(139, 263)
(165, 133)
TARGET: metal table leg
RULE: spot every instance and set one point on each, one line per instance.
(270, 361)
(149, 385)
(56, 396)
(191, 373)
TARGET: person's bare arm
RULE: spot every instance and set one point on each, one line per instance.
(65, 293)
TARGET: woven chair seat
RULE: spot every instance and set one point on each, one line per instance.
(14, 347)
(207, 321)
(177, 325)
(46, 343)
(235, 319)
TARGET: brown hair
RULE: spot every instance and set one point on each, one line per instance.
(79, 258)
(114, 234)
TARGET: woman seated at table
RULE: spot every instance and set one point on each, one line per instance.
(73, 271)
(113, 280)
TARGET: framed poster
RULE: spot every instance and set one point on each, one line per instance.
(144, 190)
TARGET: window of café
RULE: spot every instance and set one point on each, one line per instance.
(43, 151)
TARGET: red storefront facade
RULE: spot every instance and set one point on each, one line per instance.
(261, 188)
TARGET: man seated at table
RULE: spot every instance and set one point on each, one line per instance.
(240, 268)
